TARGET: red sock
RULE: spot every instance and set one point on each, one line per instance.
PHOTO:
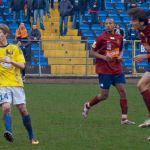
(146, 97)
(123, 105)
(94, 101)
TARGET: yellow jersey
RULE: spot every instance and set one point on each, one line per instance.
(9, 74)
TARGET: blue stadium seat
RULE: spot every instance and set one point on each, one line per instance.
(96, 27)
(128, 62)
(126, 19)
(108, 6)
(112, 14)
(38, 54)
(119, 6)
(103, 18)
(123, 14)
(9, 19)
(97, 33)
(141, 66)
(10, 40)
(1, 19)
(102, 13)
(90, 40)
(127, 66)
(84, 27)
(88, 34)
(116, 1)
(28, 27)
(13, 26)
(42, 61)
(35, 47)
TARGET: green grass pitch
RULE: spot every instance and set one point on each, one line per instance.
(56, 116)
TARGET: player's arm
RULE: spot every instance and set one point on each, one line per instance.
(95, 54)
(140, 57)
(7, 59)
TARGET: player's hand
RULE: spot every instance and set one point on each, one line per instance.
(6, 59)
(139, 58)
(107, 58)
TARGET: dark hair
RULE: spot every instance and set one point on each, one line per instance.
(139, 14)
(4, 28)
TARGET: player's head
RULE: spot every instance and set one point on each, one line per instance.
(139, 18)
(110, 24)
(4, 30)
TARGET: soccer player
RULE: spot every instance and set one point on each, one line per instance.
(11, 85)
(139, 21)
(107, 50)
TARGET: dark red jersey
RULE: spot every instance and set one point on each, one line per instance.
(145, 38)
(111, 45)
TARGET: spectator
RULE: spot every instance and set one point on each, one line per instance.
(17, 7)
(24, 43)
(77, 5)
(119, 31)
(52, 4)
(94, 8)
(34, 34)
(29, 10)
(64, 7)
(39, 6)
(48, 8)
(132, 34)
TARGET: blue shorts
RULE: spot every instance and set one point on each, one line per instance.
(106, 80)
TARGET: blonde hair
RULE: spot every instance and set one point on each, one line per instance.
(4, 28)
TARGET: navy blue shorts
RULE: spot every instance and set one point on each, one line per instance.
(106, 80)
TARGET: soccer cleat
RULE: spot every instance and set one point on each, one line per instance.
(34, 142)
(85, 110)
(148, 138)
(127, 122)
(145, 124)
(8, 136)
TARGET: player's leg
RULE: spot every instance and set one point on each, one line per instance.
(19, 101)
(5, 102)
(119, 82)
(123, 104)
(105, 83)
(6, 107)
(144, 88)
(27, 122)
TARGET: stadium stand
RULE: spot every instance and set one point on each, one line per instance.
(68, 55)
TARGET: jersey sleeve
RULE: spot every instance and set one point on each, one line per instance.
(19, 57)
(96, 43)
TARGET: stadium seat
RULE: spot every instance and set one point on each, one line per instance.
(35, 47)
(96, 27)
(102, 13)
(97, 33)
(108, 6)
(116, 1)
(126, 19)
(1, 19)
(9, 19)
(119, 6)
(84, 27)
(38, 54)
(13, 26)
(127, 66)
(141, 66)
(88, 34)
(123, 14)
